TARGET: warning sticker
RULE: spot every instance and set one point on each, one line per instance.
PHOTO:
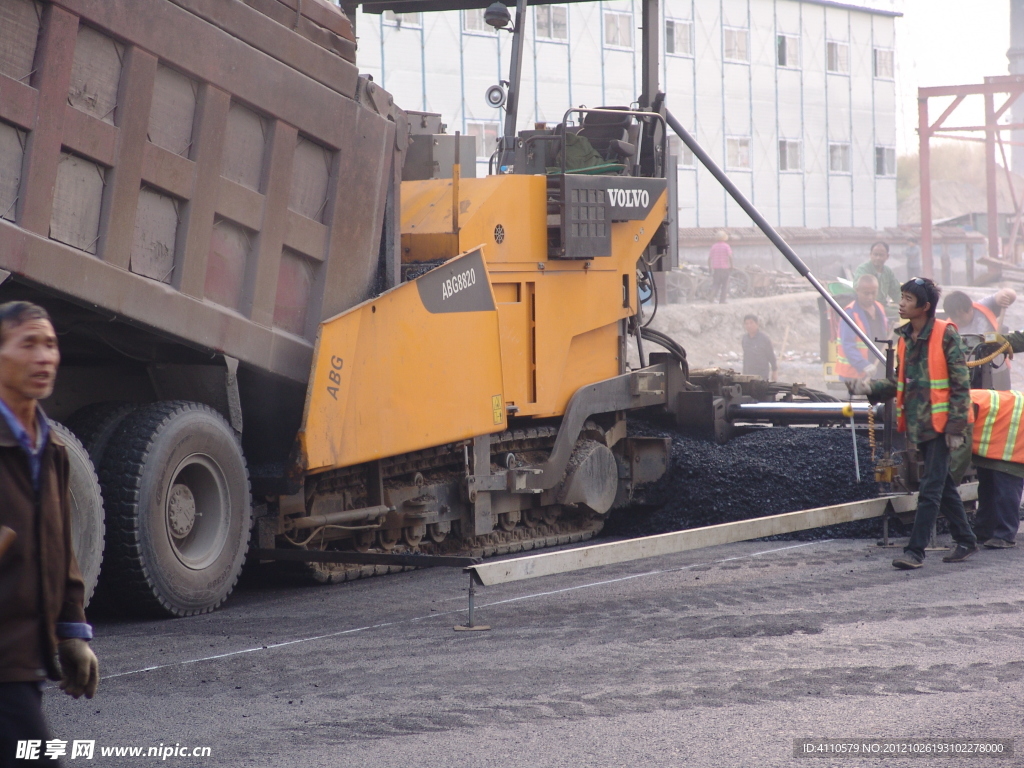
(496, 407)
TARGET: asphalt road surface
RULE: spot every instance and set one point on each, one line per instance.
(716, 657)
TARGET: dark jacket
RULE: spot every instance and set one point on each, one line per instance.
(40, 583)
(758, 355)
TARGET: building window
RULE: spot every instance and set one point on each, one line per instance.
(678, 38)
(737, 44)
(839, 158)
(787, 51)
(682, 153)
(883, 63)
(552, 22)
(885, 161)
(737, 153)
(618, 29)
(473, 20)
(838, 57)
(410, 20)
(486, 133)
(789, 155)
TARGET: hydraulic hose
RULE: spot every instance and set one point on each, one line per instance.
(768, 230)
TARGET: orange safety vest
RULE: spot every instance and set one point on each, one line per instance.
(997, 431)
(843, 366)
(988, 315)
(938, 379)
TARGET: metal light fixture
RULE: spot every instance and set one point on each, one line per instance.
(497, 15)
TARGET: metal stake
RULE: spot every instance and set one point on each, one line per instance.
(856, 458)
(470, 626)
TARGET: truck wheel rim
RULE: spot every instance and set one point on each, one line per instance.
(197, 511)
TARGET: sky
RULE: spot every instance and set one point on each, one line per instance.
(946, 42)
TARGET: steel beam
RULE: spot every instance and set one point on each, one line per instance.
(924, 131)
(363, 558)
(995, 250)
(551, 563)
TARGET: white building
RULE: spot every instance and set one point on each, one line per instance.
(795, 98)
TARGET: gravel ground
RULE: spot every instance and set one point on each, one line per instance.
(715, 658)
(765, 472)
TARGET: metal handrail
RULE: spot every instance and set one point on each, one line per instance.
(639, 114)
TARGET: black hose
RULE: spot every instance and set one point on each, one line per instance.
(654, 295)
(673, 346)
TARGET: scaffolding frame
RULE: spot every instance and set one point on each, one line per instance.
(1013, 87)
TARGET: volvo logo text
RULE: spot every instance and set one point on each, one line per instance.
(629, 198)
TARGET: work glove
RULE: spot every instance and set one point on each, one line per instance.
(859, 387)
(79, 668)
(953, 442)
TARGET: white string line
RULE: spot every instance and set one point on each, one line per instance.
(271, 646)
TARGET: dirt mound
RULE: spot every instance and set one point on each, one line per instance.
(766, 472)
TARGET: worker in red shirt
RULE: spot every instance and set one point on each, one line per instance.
(720, 263)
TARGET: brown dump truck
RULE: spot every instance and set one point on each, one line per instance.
(189, 187)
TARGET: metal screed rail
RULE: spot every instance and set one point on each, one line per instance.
(579, 558)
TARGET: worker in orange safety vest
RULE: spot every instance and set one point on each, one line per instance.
(997, 452)
(933, 409)
(979, 317)
(853, 360)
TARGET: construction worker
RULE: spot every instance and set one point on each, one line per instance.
(998, 456)
(933, 401)
(720, 264)
(997, 449)
(853, 360)
(888, 285)
(977, 317)
(758, 351)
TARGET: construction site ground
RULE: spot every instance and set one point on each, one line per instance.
(711, 333)
(711, 658)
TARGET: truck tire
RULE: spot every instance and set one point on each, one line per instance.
(86, 509)
(95, 424)
(178, 509)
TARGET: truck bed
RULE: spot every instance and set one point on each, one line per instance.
(212, 171)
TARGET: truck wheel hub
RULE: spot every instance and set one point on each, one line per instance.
(181, 510)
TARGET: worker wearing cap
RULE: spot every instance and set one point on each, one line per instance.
(932, 391)
(41, 591)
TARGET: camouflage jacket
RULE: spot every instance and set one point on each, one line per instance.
(917, 395)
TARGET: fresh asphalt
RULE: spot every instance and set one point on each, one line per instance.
(715, 657)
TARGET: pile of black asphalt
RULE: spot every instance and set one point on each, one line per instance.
(765, 472)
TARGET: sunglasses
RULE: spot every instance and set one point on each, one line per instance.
(918, 281)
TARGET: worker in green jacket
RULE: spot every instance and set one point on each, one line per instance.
(933, 407)
(888, 285)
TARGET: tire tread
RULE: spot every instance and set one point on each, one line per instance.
(121, 479)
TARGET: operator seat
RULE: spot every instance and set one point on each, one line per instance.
(609, 134)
